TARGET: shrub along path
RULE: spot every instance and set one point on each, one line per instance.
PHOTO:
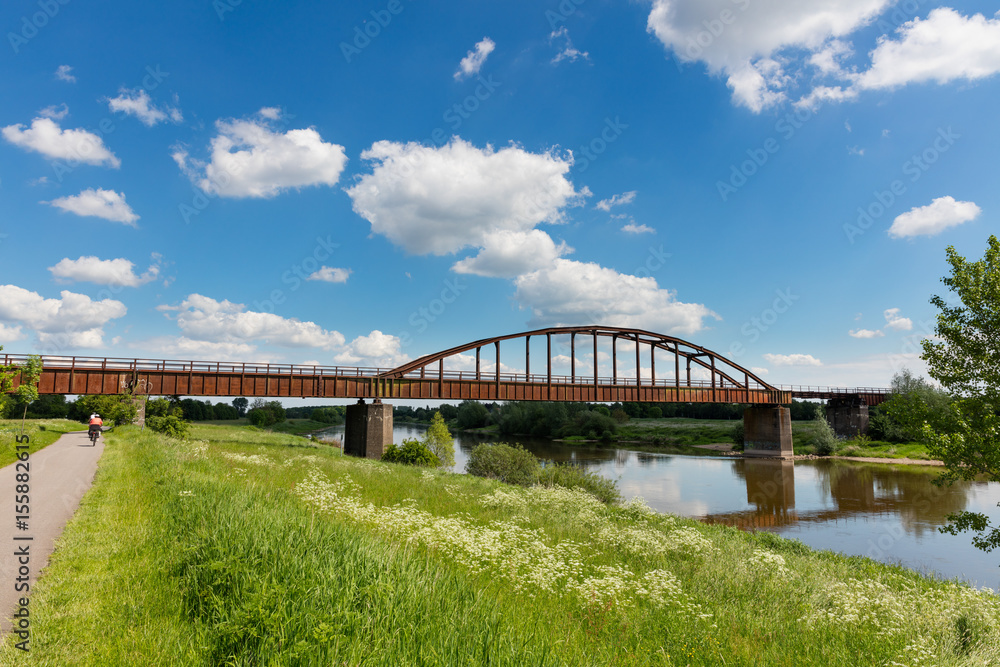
(57, 478)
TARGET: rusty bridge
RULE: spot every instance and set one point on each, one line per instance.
(427, 377)
(669, 361)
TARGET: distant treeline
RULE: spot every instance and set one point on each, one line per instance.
(592, 420)
(541, 418)
(55, 406)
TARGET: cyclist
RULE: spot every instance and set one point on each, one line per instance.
(95, 426)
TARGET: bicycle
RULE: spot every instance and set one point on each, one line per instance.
(93, 435)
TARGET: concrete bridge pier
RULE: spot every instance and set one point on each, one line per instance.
(847, 416)
(767, 431)
(368, 429)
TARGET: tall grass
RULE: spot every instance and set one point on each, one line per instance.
(41, 433)
(222, 551)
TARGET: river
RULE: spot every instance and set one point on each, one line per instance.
(888, 513)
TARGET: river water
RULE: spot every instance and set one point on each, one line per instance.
(888, 513)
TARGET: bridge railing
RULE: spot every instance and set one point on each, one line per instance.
(179, 366)
(543, 378)
(805, 390)
(124, 365)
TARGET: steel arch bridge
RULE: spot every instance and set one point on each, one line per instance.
(428, 378)
(728, 381)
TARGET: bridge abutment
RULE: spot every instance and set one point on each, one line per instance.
(767, 431)
(847, 416)
(368, 429)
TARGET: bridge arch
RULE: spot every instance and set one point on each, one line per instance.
(728, 381)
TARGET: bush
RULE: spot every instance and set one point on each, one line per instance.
(619, 415)
(170, 425)
(570, 476)
(411, 452)
(266, 413)
(513, 465)
(655, 413)
(590, 423)
(825, 442)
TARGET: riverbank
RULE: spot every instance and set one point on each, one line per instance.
(727, 449)
(243, 547)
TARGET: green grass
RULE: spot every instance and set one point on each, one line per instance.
(293, 426)
(248, 548)
(41, 433)
(299, 426)
(674, 432)
(884, 450)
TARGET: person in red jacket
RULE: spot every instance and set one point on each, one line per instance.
(95, 424)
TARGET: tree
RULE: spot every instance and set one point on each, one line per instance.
(27, 390)
(7, 375)
(964, 357)
(472, 414)
(115, 409)
(439, 441)
(49, 406)
(241, 404)
(914, 402)
(266, 413)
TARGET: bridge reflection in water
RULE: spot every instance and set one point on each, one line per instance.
(851, 490)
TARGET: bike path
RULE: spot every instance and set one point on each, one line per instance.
(59, 475)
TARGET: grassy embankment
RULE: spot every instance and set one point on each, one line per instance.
(41, 433)
(291, 426)
(245, 548)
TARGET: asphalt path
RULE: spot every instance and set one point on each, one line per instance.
(59, 475)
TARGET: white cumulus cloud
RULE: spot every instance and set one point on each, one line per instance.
(578, 293)
(747, 42)
(55, 111)
(11, 334)
(377, 350)
(632, 228)
(508, 254)
(249, 159)
(939, 215)
(792, 360)
(945, 46)
(865, 333)
(566, 50)
(473, 61)
(98, 203)
(102, 271)
(616, 200)
(46, 137)
(71, 321)
(442, 199)
(203, 318)
(894, 321)
(64, 73)
(329, 274)
(138, 103)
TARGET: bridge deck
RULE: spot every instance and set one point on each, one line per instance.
(83, 375)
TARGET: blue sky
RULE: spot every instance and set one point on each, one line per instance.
(363, 184)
